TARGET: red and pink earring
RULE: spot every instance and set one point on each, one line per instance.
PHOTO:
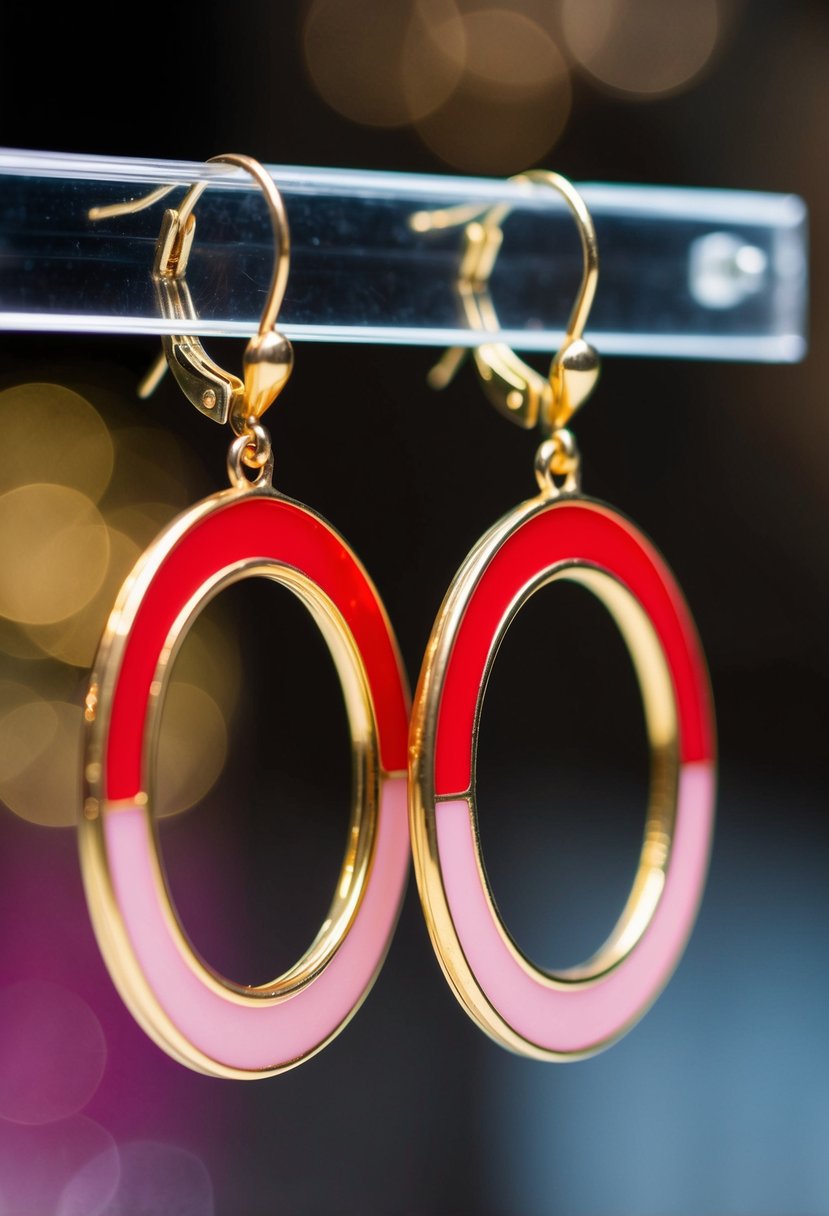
(199, 1017)
(557, 535)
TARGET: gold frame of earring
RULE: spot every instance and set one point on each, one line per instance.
(558, 535)
(205, 1020)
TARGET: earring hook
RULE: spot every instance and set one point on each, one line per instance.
(268, 359)
(514, 387)
(173, 251)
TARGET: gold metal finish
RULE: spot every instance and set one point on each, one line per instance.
(661, 722)
(513, 387)
(528, 398)
(252, 450)
(131, 206)
(268, 359)
(559, 457)
(220, 395)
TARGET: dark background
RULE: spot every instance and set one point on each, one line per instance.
(718, 1102)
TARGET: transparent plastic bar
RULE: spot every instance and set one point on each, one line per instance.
(687, 273)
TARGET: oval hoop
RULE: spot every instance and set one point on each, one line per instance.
(578, 1012)
(200, 1018)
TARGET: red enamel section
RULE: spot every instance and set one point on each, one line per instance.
(252, 529)
(587, 534)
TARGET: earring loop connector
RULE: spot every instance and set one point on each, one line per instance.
(516, 389)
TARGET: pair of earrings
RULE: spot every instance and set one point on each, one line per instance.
(225, 1029)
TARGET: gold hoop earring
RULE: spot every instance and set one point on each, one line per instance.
(557, 535)
(202, 1019)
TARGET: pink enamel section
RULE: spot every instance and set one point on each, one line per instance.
(578, 1017)
(260, 1034)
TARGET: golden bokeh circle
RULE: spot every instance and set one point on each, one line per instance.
(192, 748)
(55, 549)
(141, 521)
(16, 643)
(52, 434)
(508, 52)
(70, 534)
(384, 64)
(513, 101)
(151, 466)
(40, 761)
(210, 658)
(642, 48)
(74, 640)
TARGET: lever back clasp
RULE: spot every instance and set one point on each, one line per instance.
(516, 389)
(268, 359)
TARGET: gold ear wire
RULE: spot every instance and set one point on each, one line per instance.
(515, 388)
(268, 359)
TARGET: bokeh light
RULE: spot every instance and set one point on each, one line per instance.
(75, 640)
(41, 739)
(507, 52)
(52, 434)
(141, 521)
(210, 657)
(16, 642)
(513, 101)
(45, 788)
(55, 550)
(384, 64)
(92, 1186)
(68, 545)
(485, 86)
(28, 729)
(52, 1052)
(159, 1180)
(151, 466)
(644, 48)
(70, 1168)
(192, 748)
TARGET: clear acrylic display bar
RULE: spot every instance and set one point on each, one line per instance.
(710, 274)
